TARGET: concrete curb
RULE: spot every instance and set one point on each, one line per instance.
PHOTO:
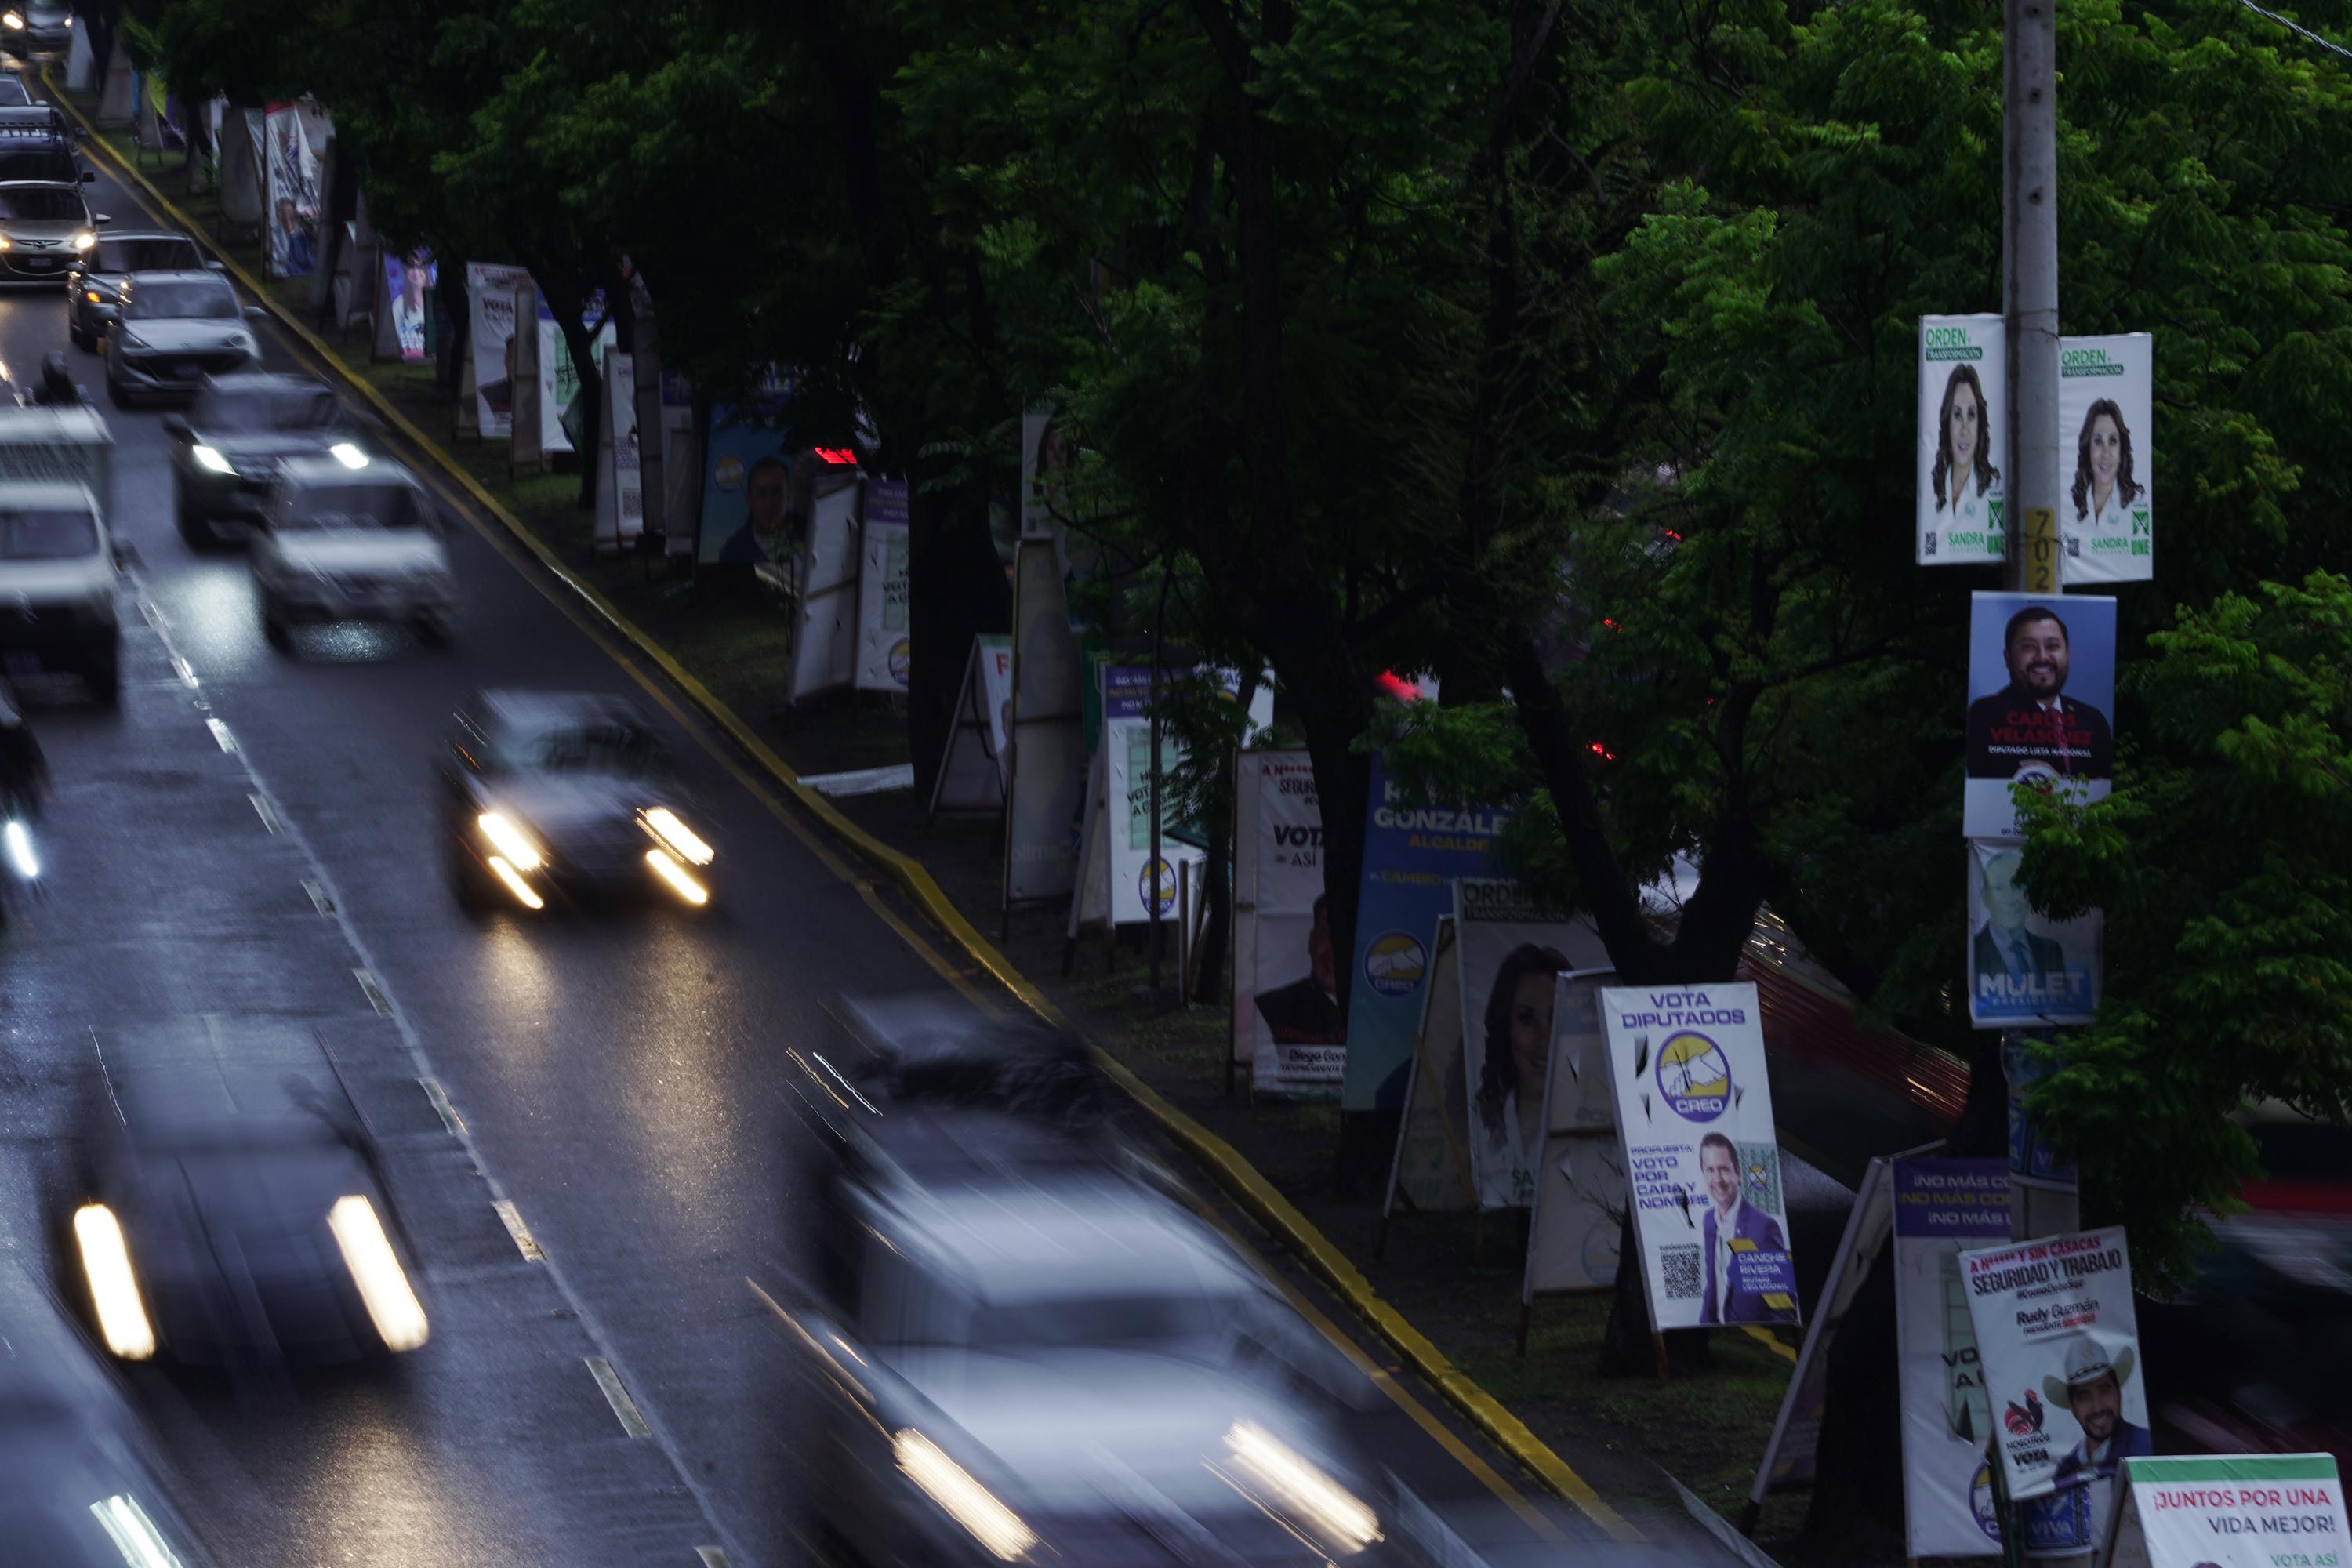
(1240, 1179)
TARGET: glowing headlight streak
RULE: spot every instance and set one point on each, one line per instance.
(113, 1290)
(207, 457)
(134, 1533)
(93, 296)
(349, 456)
(7, 244)
(966, 1502)
(383, 1288)
(522, 890)
(11, 21)
(1320, 1500)
(678, 837)
(84, 240)
(667, 868)
(20, 849)
(511, 841)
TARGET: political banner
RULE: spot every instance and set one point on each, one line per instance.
(1139, 885)
(1513, 951)
(884, 648)
(2025, 970)
(1580, 1182)
(620, 488)
(2041, 685)
(2059, 1342)
(822, 573)
(406, 328)
(1694, 1117)
(293, 134)
(1046, 788)
(2236, 1511)
(1411, 855)
(1940, 1207)
(2107, 416)
(559, 410)
(977, 764)
(1963, 407)
(1430, 1170)
(1286, 1020)
(489, 296)
(747, 485)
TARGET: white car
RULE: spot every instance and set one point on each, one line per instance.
(345, 536)
(57, 584)
(173, 328)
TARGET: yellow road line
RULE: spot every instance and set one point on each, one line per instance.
(1248, 1188)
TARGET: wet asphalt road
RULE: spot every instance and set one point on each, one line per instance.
(253, 838)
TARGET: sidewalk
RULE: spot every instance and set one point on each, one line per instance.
(1708, 1431)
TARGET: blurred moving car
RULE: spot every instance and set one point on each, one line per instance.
(1020, 1351)
(96, 275)
(58, 568)
(171, 330)
(44, 225)
(36, 28)
(561, 795)
(227, 450)
(230, 1210)
(12, 90)
(83, 1486)
(350, 537)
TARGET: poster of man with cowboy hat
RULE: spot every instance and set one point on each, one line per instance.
(2091, 1392)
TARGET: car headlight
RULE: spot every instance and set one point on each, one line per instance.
(113, 1289)
(93, 296)
(349, 456)
(383, 1284)
(665, 826)
(7, 244)
(1306, 1492)
(965, 1501)
(511, 841)
(207, 458)
(11, 21)
(84, 240)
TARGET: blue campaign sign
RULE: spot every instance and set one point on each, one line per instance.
(1411, 855)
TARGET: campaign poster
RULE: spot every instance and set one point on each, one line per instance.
(1579, 1187)
(1411, 855)
(1940, 1207)
(2235, 1510)
(2025, 970)
(747, 483)
(2106, 414)
(1513, 951)
(560, 411)
(408, 284)
(489, 295)
(1694, 1117)
(1963, 415)
(1286, 1020)
(1139, 885)
(2041, 693)
(884, 648)
(975, 769)
(2059, 1340)
(620, 489)
(1430, 1172)
(292, 176)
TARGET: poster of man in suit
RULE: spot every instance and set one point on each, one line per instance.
(2025, 968)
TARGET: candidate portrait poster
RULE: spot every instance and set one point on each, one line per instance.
(1942, 1207)
(1286, 1021)
(2041, 698)
(2106, 414)
(2024, 968)
(2236, 1511)
(408, 284)
(1962, 428)
(292, 134)
(1513, 951)
(1411, 855)
(489, 296)
(2059, 1339)
(747, 485)
(1694, 1123)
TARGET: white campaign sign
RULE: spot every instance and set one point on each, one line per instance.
(976, 768)
(491, 347)
(1580, 1191)
(885, 652)
(1962, 426)
(1286, 1021)
(1694, 1119)
(2106, 408)
(2238, 1511)
(2059, 1343)
(1940, 1206)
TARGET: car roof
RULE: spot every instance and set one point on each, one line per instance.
(315, 470)
(177, 275)
(42, 186)
(203, 1073)
(265, 381)
(1028, 1240)
(16, 494)
(518, 709)
(148, 234)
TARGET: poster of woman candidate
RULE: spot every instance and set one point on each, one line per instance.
(1963, 401)
(292, 134)
(408, 284)
(2106, 418)
(2042, 684)
(1702, 1163)
(2025, 970)
(1513, 951)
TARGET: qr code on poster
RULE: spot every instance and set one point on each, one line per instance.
(1678, 1269)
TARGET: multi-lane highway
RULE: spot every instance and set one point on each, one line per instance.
(582, 1114)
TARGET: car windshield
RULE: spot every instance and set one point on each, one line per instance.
(47, 536)
(182, 301)
(360, 505)
(144, 255)
(39, 160)
(266, 408)
(603, 749)
(14, 91)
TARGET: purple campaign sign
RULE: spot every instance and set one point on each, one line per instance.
(1964, 1198)
(1764, 1273)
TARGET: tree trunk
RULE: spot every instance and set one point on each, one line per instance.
(449, 357)
(956, 590)
(1856, 1512)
